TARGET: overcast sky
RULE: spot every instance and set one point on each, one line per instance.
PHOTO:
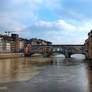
(59, 21)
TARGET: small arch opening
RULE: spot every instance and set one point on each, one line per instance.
(60, 55)
(36, 55)
(58, 58)
(78, 56)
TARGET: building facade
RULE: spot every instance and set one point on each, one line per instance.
(1, 44)
(21, 45)
(5, 45)
(15, 43)
(88, 46)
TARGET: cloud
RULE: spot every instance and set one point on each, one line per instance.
(7, 24)
(65, 9)
(62, 40)
(60, 31)
(24, 16)
(71, 9)
(58, 26)
(20, 10)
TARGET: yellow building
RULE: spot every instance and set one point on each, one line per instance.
(21, 45)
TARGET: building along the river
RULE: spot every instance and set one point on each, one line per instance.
(27, 49)
(11, 43)
(1, 44)
(21, 45)
(88, 46)
(15, 44)
(5, 45)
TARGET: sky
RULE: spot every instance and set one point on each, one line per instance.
(58, 21)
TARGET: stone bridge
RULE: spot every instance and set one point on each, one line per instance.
(48, 50)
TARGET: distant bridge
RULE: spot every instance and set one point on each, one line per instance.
(48, 50)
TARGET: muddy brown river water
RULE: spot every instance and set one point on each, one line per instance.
(63, 75)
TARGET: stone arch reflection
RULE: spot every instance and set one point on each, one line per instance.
(78, 56)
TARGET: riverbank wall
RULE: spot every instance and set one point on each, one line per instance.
(11, 55)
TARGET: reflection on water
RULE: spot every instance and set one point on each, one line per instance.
(90, 78)
(16, 70)
(64, 75)
(74, 72)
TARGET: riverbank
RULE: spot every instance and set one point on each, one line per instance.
(11, 55)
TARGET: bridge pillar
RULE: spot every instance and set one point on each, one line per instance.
(67, 54)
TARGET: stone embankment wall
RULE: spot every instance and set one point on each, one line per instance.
(11, 55)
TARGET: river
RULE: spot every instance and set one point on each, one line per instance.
(63, 75)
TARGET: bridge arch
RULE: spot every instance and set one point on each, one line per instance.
(58, 53)
(36, 54)
(78, 56)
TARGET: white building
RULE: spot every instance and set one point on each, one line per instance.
(5, 46)
(8, 46)
(1, 44)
